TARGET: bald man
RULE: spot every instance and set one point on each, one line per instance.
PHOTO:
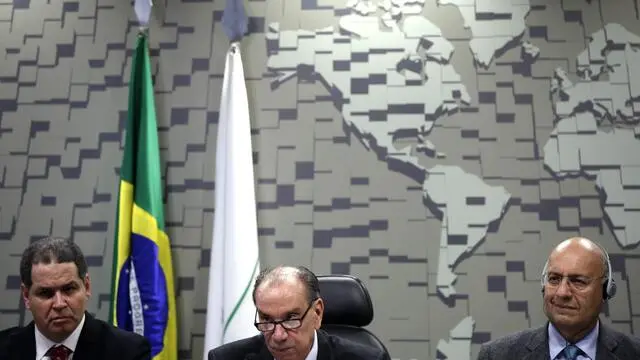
(576, 282)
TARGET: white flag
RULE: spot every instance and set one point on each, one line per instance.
(234, 253)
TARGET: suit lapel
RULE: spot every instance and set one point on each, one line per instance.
(607, 343)
(23, 344)
(538, 345)
(87, 347)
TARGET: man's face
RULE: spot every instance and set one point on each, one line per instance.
(573, 292)
(57, 298)
(288, 300)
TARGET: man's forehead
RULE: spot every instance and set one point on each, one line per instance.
(275, 311)
(280, 300)
(54, 264)
(291, 288)
(583, 266)
(54, 272)
(55, 284)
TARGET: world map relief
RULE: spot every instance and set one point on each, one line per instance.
(583, 144)
(437, 150)
(387, 67)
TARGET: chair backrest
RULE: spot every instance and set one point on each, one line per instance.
(347, 309)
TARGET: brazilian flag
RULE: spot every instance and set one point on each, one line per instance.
(143, 299)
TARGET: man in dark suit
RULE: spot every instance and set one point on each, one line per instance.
(55, 288)
(289, 310)
(576, 281)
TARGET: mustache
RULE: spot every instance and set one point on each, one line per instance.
(562, 305)
(62, 316)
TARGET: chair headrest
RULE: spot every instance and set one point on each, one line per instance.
(346, 300)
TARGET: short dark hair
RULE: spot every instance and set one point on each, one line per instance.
(48, 250)
(304, 275)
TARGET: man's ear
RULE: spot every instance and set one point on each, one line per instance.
(25, 296)
(87, 285)
(318, 309)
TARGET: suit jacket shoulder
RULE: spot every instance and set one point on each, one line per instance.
(239, 349)
(99, 339)
(613, 344)
(517, 345)
(6, 334)
(345, 349)
(8, 339)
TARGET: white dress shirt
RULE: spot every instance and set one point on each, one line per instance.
(43, 344)
(313, 354)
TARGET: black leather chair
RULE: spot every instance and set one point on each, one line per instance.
(347, 309)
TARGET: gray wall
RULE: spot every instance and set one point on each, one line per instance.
(385, 149)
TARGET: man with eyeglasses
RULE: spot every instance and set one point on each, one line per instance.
(289, 314)
(576, 281)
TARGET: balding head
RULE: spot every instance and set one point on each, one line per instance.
(581, 245)
(288, 274)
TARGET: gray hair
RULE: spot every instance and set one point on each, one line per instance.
(281, 273)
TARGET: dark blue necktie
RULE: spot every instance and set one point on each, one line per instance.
(571, 352)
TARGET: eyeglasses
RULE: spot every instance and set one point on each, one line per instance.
(577, 282)
(288, 324)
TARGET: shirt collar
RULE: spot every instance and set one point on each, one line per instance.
(43, 344)
(313, 354)
(587, 344)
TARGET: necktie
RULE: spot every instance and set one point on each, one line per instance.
(571, 352)
(59, 352)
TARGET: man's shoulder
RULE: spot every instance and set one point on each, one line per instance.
(625, 341)
(111, 333)
(513, 341)
(7, 334)
(238, 349)
(348, 349)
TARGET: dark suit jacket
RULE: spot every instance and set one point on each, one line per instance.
(533, 344)
(329, 348)
(98, 340)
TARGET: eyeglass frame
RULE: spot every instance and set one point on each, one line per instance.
(281, 322)
(570, 280)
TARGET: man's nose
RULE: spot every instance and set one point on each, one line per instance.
(59, 300)
(564, 289)
(280, 333)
